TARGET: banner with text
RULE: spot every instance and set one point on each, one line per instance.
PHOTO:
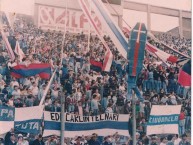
(26, 119)
(164, 119)
(75, 125)
(54, 18)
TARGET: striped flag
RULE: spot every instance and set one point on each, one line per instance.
(27, 119)
(41, 69)
(111, 27)
(75, 125)
(108, 54)
(160, 54)
(19, 51)
(8, 46)
(164, 119)
(157, 52)
(184, 77)
(137, 42)
(175, 50)
(10, 18)
(95, 65)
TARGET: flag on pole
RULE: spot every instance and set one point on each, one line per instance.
(175, 50)
(111, 27)
(75, 125)
(137, 42)
(164, 119)
(8, 46)
(10, 18)
(47, 88)
(27, 119)
(108, 54)
(19, 51)
(42, 69)
(184, 77)
(160, 54)
(96, 65)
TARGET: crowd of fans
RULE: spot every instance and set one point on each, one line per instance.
(165, 40)
(183, 45)
(89, 92)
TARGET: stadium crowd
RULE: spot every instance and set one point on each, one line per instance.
(87, 90)
(183, 45)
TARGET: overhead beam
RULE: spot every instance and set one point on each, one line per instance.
(155, 9)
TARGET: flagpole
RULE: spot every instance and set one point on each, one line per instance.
(62, 129)
(62, 99)
(47, 88)
(90, 11)
(64, 35)
(134, 119)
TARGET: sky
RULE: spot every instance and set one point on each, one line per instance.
(158, 22)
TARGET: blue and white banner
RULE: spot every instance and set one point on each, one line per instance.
(164, 119)
(103, 125)
(26, 119)
(111, 27)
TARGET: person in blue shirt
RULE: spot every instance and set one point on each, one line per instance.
(93, 140)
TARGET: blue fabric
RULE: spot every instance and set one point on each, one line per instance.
(28, 126)
(50, 125)
(31, 72)
(163, 119)
(7, 113)
(134, 53)
(64, 71)
(131, 85)
(112, 26)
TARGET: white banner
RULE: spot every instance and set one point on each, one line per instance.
(164, 119)
(27, 119)
(103, 125)
(54, 18)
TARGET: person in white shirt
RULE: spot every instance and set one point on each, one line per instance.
(21, 141)
(78, 95)
(2, 82)
(78, 141)
(27, 81)
(122, 87)
(163, 141)
(14, 83)
(79, 109)
(54, 93)
(173, 99)
(34, 89)
(16, 92)
(177, 139)
(109, 108)
(164, 99)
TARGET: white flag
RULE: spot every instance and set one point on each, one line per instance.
(19, 51)
(164, 119)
